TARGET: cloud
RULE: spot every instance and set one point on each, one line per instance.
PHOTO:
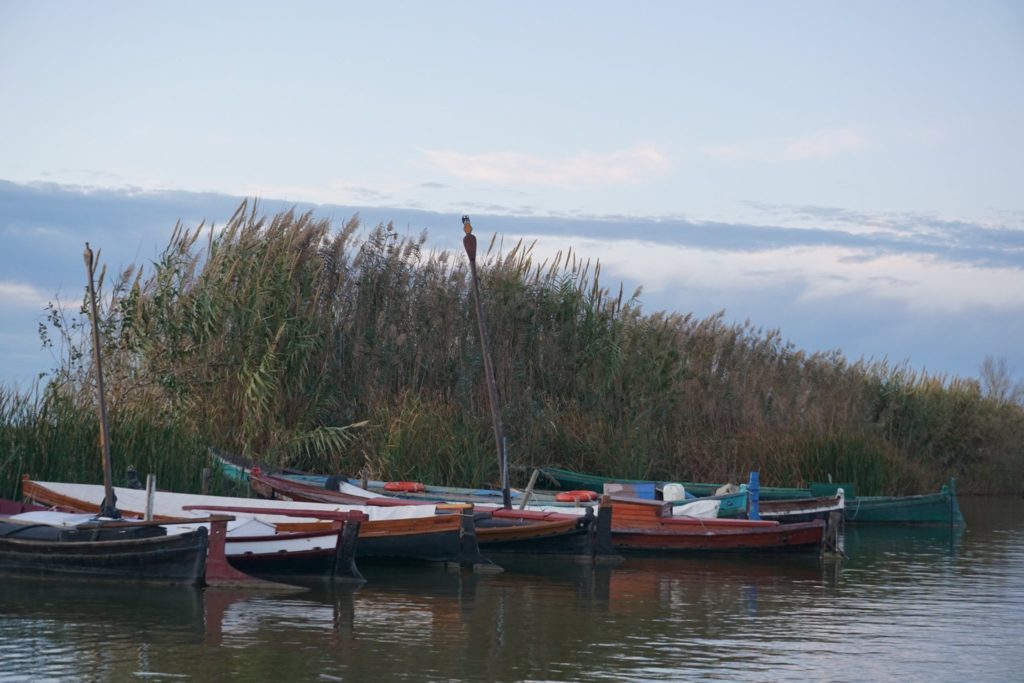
(366, 194)
(517, 168)
(979, 242)
(327, 193)
(89, 175)
(822, 144)
(942, 291)
(922, 283)
(20, 295)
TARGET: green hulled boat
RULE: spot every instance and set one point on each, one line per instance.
(931, 508)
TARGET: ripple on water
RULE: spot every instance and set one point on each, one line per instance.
(908, 604)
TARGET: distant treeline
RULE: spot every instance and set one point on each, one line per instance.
(337, 349)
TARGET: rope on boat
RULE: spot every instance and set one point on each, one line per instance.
(855, 510)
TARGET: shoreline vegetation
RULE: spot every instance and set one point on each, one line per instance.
(330, 350)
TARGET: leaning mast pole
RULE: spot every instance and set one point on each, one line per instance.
(109, 506)
(469, 244)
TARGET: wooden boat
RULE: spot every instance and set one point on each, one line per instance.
(656, 525)
(538, 532)
(498, 531)
(237, 468)
(567, 480)
(257, 551)
(104, 545)
(732, 500)
(336, 490)
(58, 545)
(426, 493)
(803, 509)
(936, 508)
(14, 507)
(636, 524)
(321, 487)
(308, 532)
(640, 525)
(240, 469)
(930, 509)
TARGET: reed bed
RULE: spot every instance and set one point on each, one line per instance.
(335, 350)
(54, 436)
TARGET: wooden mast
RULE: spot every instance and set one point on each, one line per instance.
(109, 506)
(469, 243)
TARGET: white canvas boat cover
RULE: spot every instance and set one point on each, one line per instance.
(169, 504)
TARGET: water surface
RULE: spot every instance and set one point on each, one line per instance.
(908, 604)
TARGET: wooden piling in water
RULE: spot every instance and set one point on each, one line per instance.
(833, 527)
(345, 568)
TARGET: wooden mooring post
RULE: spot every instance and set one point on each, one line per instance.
(150, 493)
(832, 541)
(344, 568)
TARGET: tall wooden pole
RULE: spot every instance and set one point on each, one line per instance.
(469, 243)
(109, 506)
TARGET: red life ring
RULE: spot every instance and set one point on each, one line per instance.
(576, 496)
(405, 486)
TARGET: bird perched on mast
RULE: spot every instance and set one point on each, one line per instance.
(469, 241)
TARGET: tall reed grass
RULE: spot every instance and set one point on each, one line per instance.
(54, 436)
(333, 350)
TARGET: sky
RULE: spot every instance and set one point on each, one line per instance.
(849, 173)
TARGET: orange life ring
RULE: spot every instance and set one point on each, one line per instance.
(575, 496)
(404, 486)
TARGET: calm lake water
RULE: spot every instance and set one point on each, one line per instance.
(908, 604)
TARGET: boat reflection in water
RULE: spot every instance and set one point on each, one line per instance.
(51, 630)
(884, 547)
(678, 618)
(461, 623)
(448, 624)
